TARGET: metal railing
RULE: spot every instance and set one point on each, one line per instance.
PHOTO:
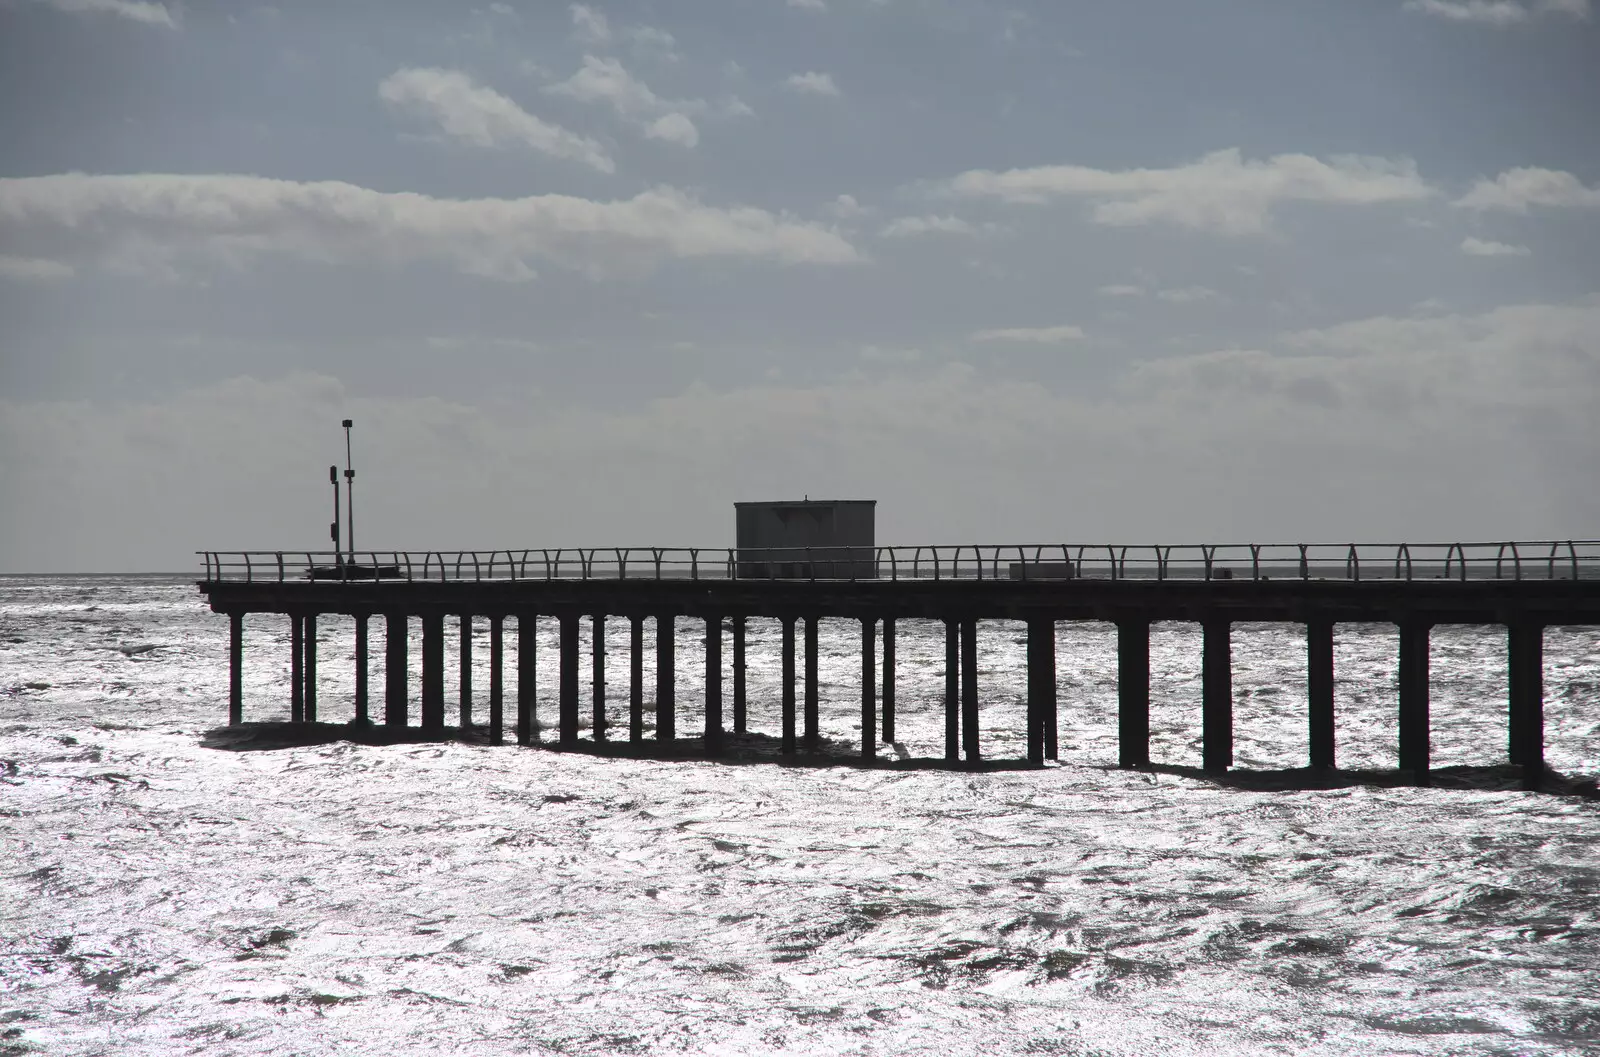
(1462, 562)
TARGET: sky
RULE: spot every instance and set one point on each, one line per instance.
(586, 275)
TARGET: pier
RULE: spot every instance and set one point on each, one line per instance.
(1524, 587)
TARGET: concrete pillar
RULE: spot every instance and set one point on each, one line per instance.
(1216, 689)
(952, 690)
(786, 744)
(597, 680)
(497, 663)
(888, 681)
(297, 672)
(969, 690)
(568, 682)
(433, 674)
(666, 678)
(636, 679)
(235, 669)
(813, 733)
(739, 717)
(311, 668)
(396, 664)
(1414, 723)
(1051, 749)
(713, 734)
(527, 678)
(465, 622)
(1525, 654)
(1041, 687)
(869, 688)
(362, 719)
(1133, 692)
(1319, 687)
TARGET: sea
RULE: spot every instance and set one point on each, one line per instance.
(164, 890)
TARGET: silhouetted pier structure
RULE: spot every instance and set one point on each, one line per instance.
(1523, 586)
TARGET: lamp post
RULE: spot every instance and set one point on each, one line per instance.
(349, 493)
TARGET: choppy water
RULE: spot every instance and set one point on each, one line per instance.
(157, 896)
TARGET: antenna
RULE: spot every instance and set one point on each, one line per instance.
(349, 492)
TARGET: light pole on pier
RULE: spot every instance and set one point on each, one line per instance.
(349, 493)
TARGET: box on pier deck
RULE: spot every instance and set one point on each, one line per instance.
(823, 539)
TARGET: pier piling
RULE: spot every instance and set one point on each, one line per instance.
(527, 678)
(1041, 662)
(869, 696)
(395, 665)
(1133, 692)
(310, 642)
(888, 681)
(433, 674)
(1414, 724)
(1216, 706)
(969, 690)
(497, 663)
(1525, 656)
(361, 718)
(597, 673)
(713, 734)
(1319, 691)
(813, 736)
(567, 683)
(465, 622)
(666, 678)
(952, 690)
(235, 669)
(297, 671)
(739, 719)
(786, 744)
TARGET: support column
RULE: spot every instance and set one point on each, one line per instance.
(466, 673)
(362, 719)
(813, 735)
(1319, 687)
(739, 717)
(311, 668)
(787, 743)
(597, 680)
(1133, 693)
(713, 734)
(1216, 703)
(1051, 749)
(1414, 724)
(869, 688)
(527, 678)
(497, 694)
(235, 669)
(1525, 653)
(666, 678)
(396, 665)
(636, 679)
(1041, 689)
(433, 674)
(952, 690)
(568, 682)
(888, 680)
(297, 672)
(969, 690)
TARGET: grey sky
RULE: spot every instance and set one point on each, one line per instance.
(589, 274)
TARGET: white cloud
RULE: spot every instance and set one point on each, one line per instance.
(483, 117)
(34, 268)
(845, 207)
(907, 227)
(1475, 247)
(654, 42)
(809, 5)
(814, 83)
(590, 26)
(1517, 189)
(146, 11)
(606, 81)
(1497, 12)
(238, 218)
(1220, 192)
(1035, 335)
(1188, 295)
(1120, 290)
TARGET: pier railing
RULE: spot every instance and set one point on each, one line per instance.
(1500, 560)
